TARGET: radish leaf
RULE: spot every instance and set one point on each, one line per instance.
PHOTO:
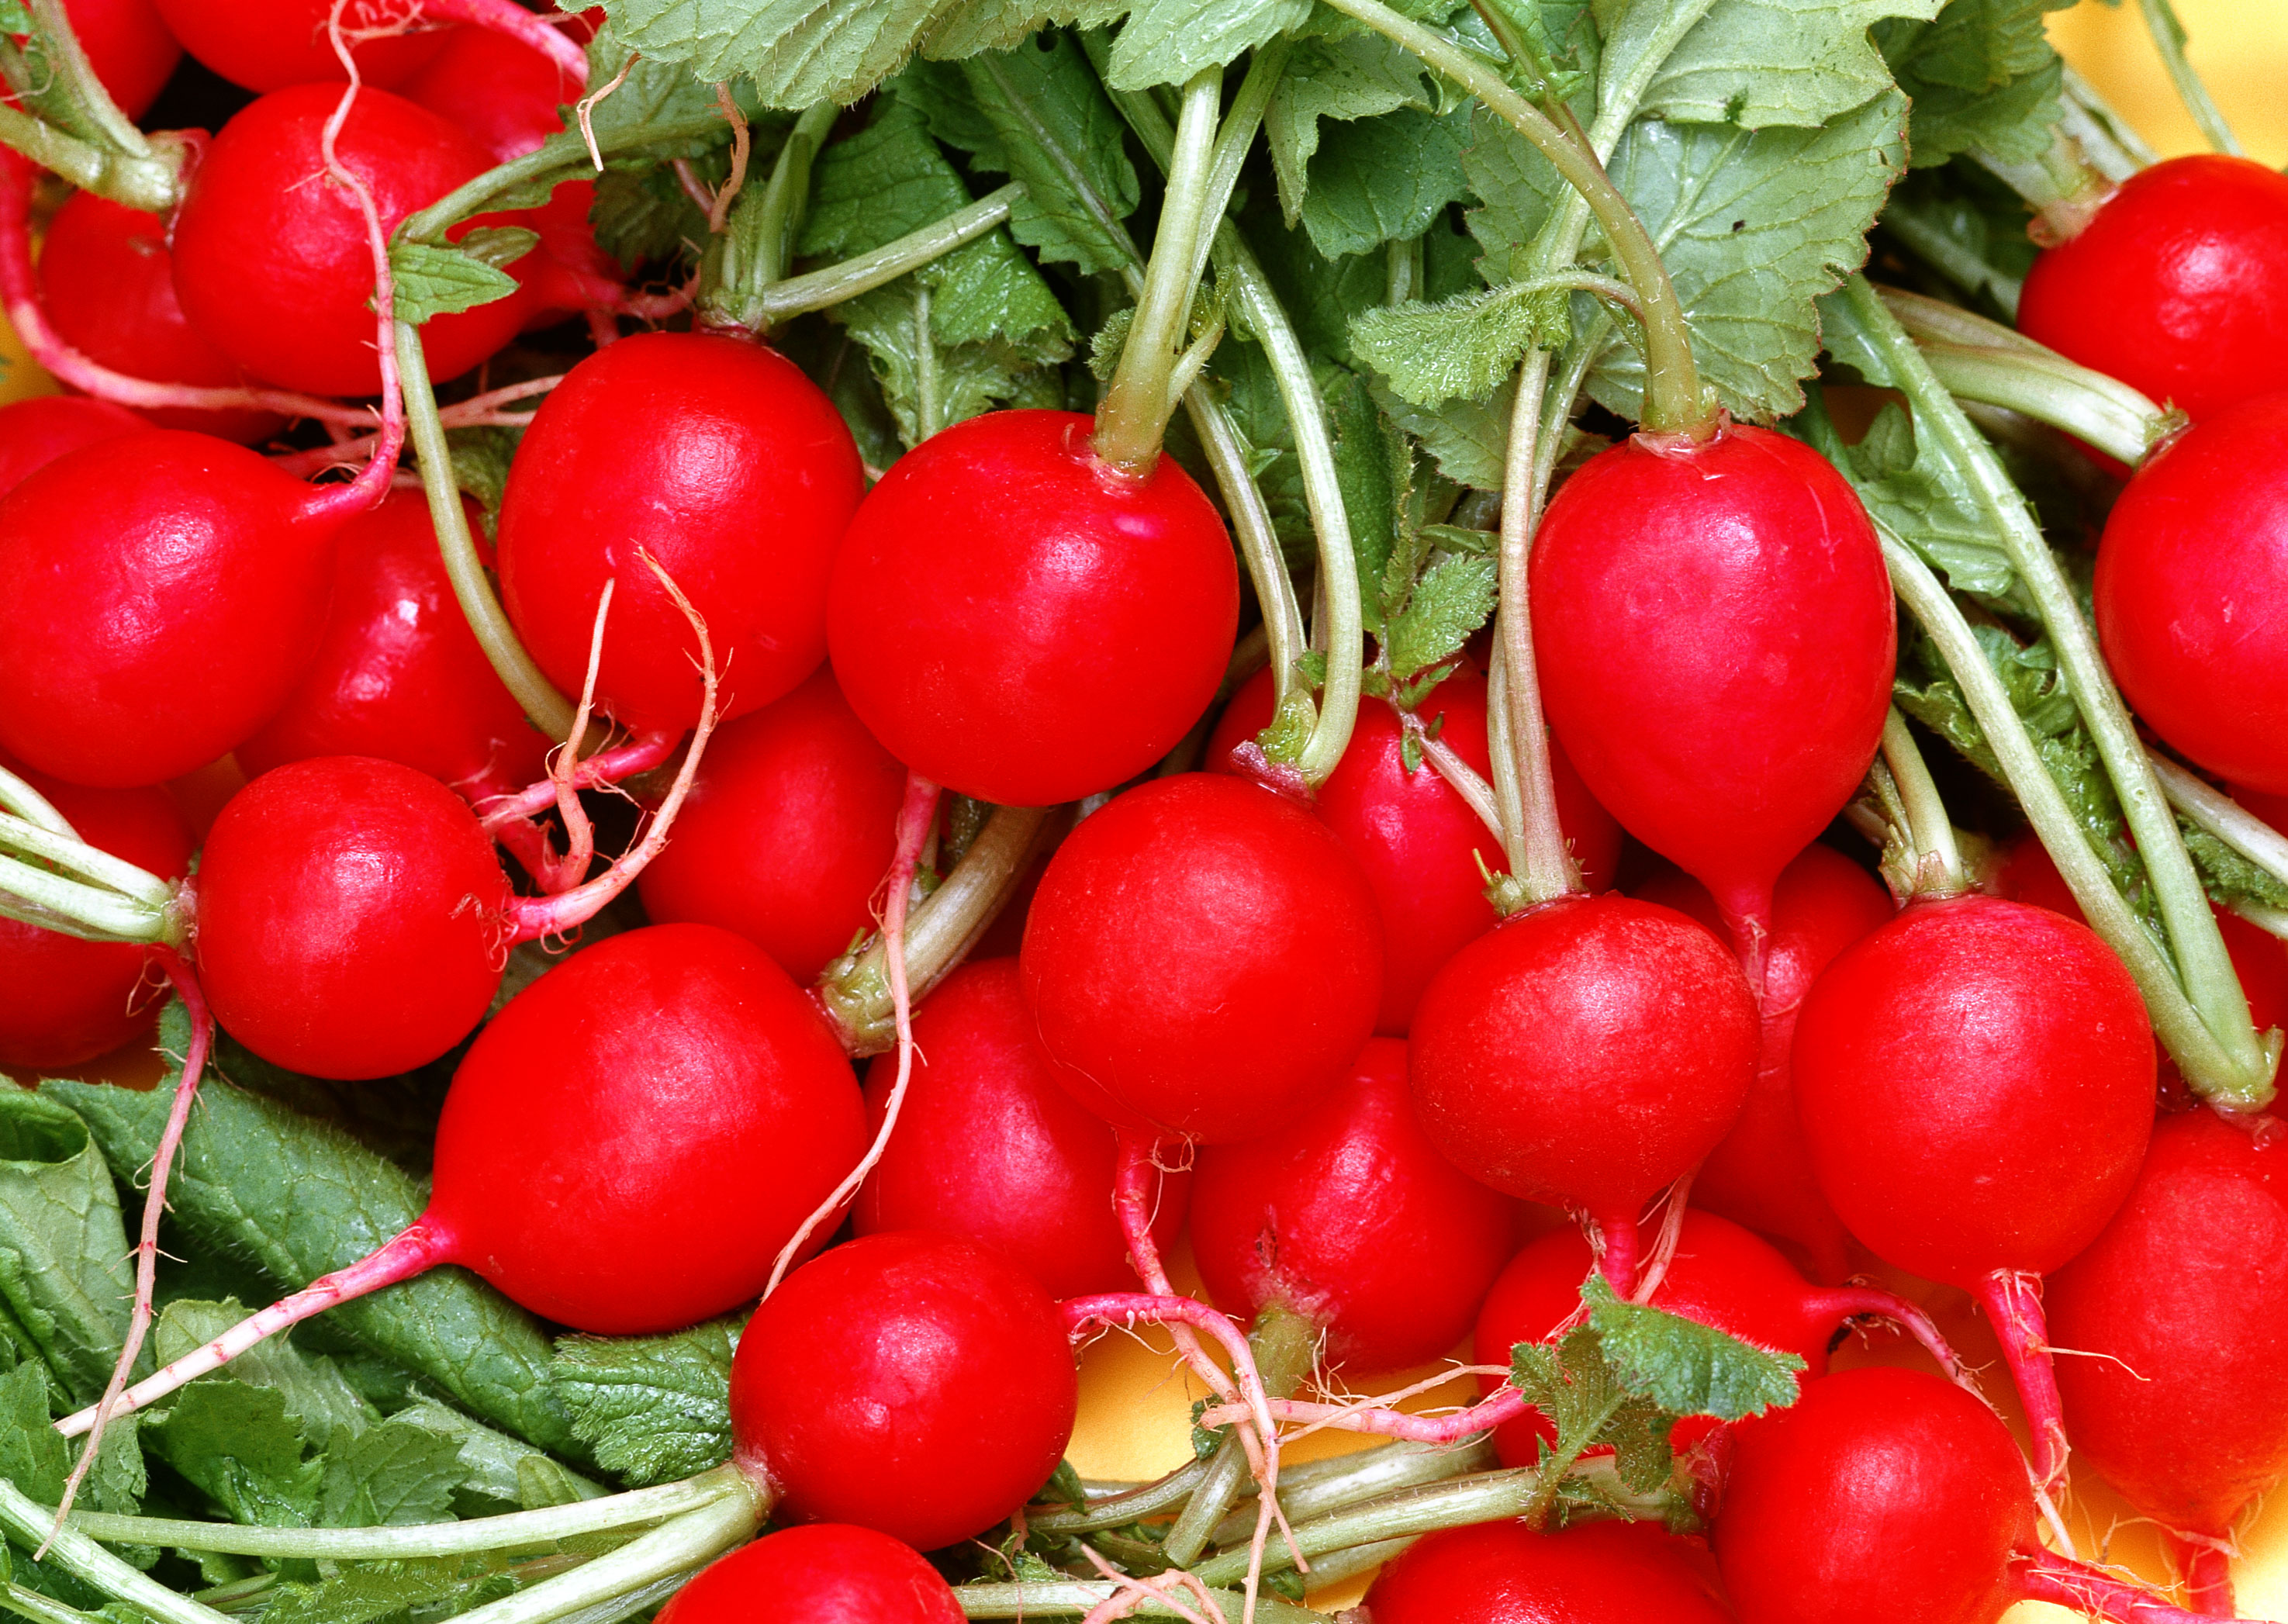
(657, 1408)
(1687, 1368)
(64, 1279)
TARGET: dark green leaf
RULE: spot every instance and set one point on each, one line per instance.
(32, 1454)
(2228, 876)
(1454, 597)
(65, 1282)
(1362, 75)
(796, 52)
(325, 1407)
(1463, 348)
(1924, 500)
(395, 1117)
(1685, 1366)
(1983, 77)
(964, 28)
(1756, 63)
(237, 1445)
(654, 87)
(1570, 1382)
(375, 1592)
(14, 18)
(645, 216)
(1166, 42)
(1374, 470)
(390, 1476)
(435, 280)
(1381, 179)
(656, 1407)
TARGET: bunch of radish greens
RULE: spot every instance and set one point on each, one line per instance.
(1557, 673)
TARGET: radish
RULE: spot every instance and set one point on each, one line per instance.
(1020, 625)
(107, 282)
(2177, 1394)
(1202, 959)
(69, 1001)
(35, 431)
(272, 260)
(722, 461)
(1413, 836)
(1714, 632)
(913, 1384)
(1761, 1174)
(398, 673)
(790, 826)
(128, 45)
(988, 1146)
(1975, 1080)
(1347, 1217)
(269, 45)
(825, 1574)
(1587, 1052)
(2191, 567)
(2171, 287)
(1507, 1573)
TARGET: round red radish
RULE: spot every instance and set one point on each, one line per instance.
(505, 94)
(914, 1383)
(273, 262)
(1018, 621)
(721, 461)
(1505, 1574)
(988, 1146)
(789, 826)
(164, 593)
(1587, 1053)
(1715, 637)
(399, 674)
(1761, 1174)
(1417, 841)
(36, 431)
(351, 917)
(269, 45)
(1348, 1217)
(2172, 288)
(1202, 959)
(2191, 571)
(69, 1001)
(825, 1573)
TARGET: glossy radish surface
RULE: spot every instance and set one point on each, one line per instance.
(790, 826)
(825, 1573)
(271, 261)
(988, 1146)
(269, 45)
(1761, 1175)
(1414, 838)
(1586, 1054)
(35, 431)
(69, 1001)
(497, 90)
(720, 460)
(1876, 1483)
(1348, 1217)
(352, 917)
(2172, 288)
(108, 283)
(2191, 571)
(1505, 1574)
(1202, 959)
(1018, 621)
(399, 674)
(1715, 637)
(914, 1383)
(164, 592)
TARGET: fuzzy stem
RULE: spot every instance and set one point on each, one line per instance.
(687, 1541)
(1065, 1598)
(2170, 39)
(1460, 777)
(2243, 1081)
(2044, 1576)
(83, 1559)
(2012, 1300)
(1367, 1474)
(1258, 542)
(1674, 400)
(1285, 1345)
(1938, 860)
(823, 289)
(786, 195)
(73, 88)
(153, 184)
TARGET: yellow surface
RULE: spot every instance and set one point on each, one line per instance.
(2237, 46)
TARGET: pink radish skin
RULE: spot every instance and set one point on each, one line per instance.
(1595, 1573)
(824, 1574)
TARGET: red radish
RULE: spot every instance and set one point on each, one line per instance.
(988, 1146)
(271, 259)
(1975, 1080)
(2179, 1392)
(1761, 1175)
(353, 920)
(36, 431)
(1505, 1574)
(625, 1148)
(109, 284)
(914, 1383)
(68, 1000)
(166, 591)
(825, 1574)
(269, 45)
(1415, 839)
(399, 674)
(2172, 286)
(1020, 622)
(719, 459)
(790, 826)
(1349, 1218)
(1715, 637)
(1202, 959)
(2190, 570)
(129, 47)
(1587, 1053)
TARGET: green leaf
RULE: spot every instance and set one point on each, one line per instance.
(237, 1445)
(1758, 63)
(1364, 75)
(14, 17)
(1462, 348)
(1469, 439)
(657, 1408)
(1453, 598)
(796, 52)
(323, 1404)
(658, 88)
(386, 1592)
(2227, 876)
(1922, 498)
(391, 1476)
(395, 1117)
(643, 217)
(32, 1454)
(1321, 296)
(1570, 1382)
(1166, 42)
(1982, 76)
(436, 280)
(1685, 1366)
(1383, 179)
(966, 26)
(495, 1467)
(1374, 470)
(65, 1282)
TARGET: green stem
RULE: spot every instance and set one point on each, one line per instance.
(550, 712)
(83, 1559)
(565, 156)
(676, 1546)
(2108, 140)
(2170, 39)
(1906, 219)
(1485, 1497)
(73, 88)
(1937, 858)
(2221, 815)
(820, 290)
(1135, 1505)
(786, 198)
(1675, 401)
(1284, 1345)
(152, 184)
(38, 896)
(1134, 411)
(1072, 1597)
(1367, 1474)
(2064, 188)
(2089, 406)
(69, 852)
(1258, 541)
(31, 1605)
(2244, 1078)
(1236, 138)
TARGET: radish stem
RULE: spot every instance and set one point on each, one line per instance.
(832, 285)
(81, 1557)
(1285, 1345)
(687, 1541)
(1937, 860)
(2170, 39)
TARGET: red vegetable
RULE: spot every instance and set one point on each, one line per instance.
(35, 431)
(826, 1573)
(1505, 1574)
(269, 45)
